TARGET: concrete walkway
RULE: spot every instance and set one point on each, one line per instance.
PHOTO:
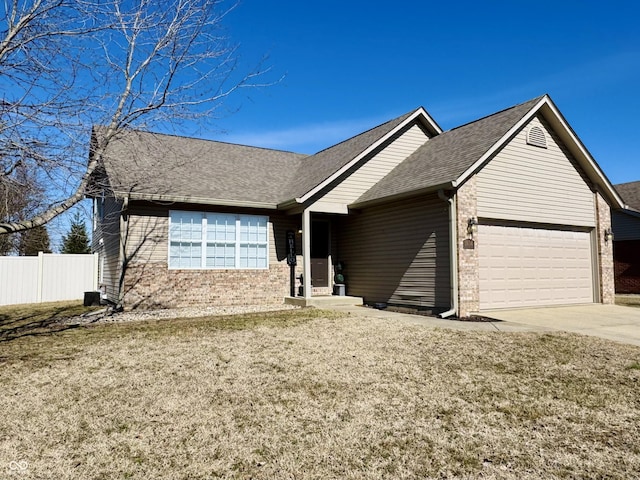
(613, 322)
(497, 326)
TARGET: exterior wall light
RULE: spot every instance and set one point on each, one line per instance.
(608, 235)
(472, 226)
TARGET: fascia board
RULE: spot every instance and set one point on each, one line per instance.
(288, 204)
(601, 179)
(420, 112)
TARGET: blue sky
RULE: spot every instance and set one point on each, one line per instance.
(347, 66)
(351, 65)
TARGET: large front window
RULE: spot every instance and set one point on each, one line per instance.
(217, 240)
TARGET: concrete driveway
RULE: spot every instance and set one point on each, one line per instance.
(613, 322)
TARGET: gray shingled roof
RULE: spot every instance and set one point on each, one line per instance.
(630, 193)
(316, 168)
(203, 171)
(169, 166)
(152, 164)
(445, 157)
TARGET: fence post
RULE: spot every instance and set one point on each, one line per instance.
(40, 276)
(96, 268)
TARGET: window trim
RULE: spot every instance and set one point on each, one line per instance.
(98, 210)
(204, 241)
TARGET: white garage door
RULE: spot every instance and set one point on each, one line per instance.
(521, 267)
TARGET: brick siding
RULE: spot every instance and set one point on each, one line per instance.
(605, 251)
(153, 285)
(468, 264)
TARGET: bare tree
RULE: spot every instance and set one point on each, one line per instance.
(20, 198)
(66, 65)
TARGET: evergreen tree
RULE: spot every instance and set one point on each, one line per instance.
(77, 240)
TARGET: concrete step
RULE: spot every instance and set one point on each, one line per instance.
(324, 301)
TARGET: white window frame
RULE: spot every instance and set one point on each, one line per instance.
(237, 242)
(98, 210)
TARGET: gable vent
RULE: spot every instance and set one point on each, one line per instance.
(536, 137)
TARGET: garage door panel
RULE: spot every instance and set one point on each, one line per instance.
(521, 266)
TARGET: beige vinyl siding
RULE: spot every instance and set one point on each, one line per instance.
(278, 226)
(543, 185)
(148, 232)
(398, 253)
(625, 226)
(108, 230)
(376, 167)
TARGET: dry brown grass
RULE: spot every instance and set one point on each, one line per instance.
(311, 395)
(37, 319)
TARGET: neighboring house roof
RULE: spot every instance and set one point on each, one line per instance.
(166, 167)
(446, 157)
(630, 193)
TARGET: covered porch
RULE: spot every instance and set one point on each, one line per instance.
(316, 268)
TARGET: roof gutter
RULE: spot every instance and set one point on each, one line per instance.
(401, 196)
(197, 200)
(289, 203)
(453, 252)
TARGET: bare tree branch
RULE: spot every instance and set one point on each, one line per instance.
(66, 65)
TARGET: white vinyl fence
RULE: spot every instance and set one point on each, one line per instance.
(49, 277)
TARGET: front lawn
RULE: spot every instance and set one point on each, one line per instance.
(37, 318)
(313, 395)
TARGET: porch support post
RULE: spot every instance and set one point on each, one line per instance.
(306, 252)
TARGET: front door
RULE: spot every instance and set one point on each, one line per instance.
(320, 253)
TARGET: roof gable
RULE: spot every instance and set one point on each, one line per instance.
(444, 158)
(580, 153)
(543, 185)
(370, 169)
(317, 171)
(449, 159)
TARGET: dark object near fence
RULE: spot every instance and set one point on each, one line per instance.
(91, 299)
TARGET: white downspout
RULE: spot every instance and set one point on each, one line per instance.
(306, 252)
(453, 253)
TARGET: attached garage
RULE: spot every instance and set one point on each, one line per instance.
(523, 267)
(397, 207)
